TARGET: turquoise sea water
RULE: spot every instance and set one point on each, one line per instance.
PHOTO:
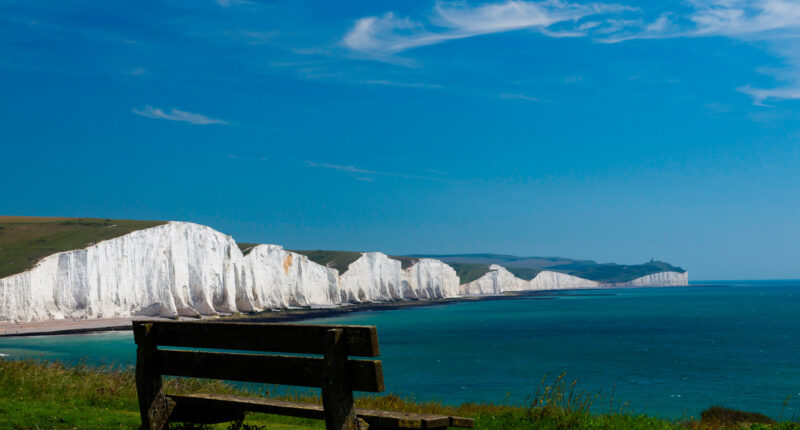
(665, 351)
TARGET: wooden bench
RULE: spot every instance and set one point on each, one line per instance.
(324, 363)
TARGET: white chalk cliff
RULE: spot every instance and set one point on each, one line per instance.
(499, 280)
(185, 269)
(660, 279)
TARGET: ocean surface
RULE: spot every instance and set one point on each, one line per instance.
(664, 351)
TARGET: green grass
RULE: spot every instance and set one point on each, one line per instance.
(525, 273)
(44, 395)
(246, 247)
(611, 272)
(468, 272)
(405, 262)
(26, 240)
(339, 260)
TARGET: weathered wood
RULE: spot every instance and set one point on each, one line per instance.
(364, 375)
(462, 422)
(153, 405)
(204, 413)
(334, 372)
(362, 341)
(337, 391)
(375, 418)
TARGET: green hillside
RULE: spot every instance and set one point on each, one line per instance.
(611, 272)
(525, 273)
(26, 240)
(246, 247)
(528, 267)
(339, 260)
(405, 262)
(468, 272)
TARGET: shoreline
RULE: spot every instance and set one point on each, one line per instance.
(86, 326)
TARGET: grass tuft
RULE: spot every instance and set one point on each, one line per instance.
(43, 395)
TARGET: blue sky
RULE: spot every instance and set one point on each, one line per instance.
(614, 131)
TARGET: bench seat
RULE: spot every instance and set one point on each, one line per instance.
(226, 407)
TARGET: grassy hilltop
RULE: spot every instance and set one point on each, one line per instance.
(26, 240)
(46, 395)
(473, 266)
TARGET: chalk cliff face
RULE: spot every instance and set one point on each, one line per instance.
(429, 279)
(499, 280)
(273, 278)
(173, 269)
(185, 269)
(547, 280)
(496, 281)
(375, 277)
(661, 279)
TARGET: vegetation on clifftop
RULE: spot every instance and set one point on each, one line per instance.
(339, 260)
(26, 240)
(468, 272)
(528, 267)
(405, 262)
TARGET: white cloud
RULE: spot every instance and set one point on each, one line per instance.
(363, 174)
(761, 95)
(351, 169)
(509, 96)
(748, 19)
(774, 24)
(228, 3)
(400, 84)
(177, 115)
(137, 71)
(388, 34)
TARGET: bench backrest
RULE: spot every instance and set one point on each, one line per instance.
(307, 371)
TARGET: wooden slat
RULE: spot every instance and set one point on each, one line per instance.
(185, 404)
(462, 422)
(337, 397)
(154, 408)
(361, 341)
(365, 375)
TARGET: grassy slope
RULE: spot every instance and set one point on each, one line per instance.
(339, 260)
(524, 272)
(246, 247)
(528, 267)
(468, 272)
(36, 395)
(611, 272)
(405, 262)
(26, 240)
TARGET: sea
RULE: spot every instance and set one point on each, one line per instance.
(668, 352)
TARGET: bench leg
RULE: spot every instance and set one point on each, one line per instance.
(337, 396)
(154, 407)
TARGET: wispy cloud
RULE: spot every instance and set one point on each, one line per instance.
(228, 3)
(177, 115)
(509, 96)
(137, 71)
(401, 84)
(351, 169)
(760, 95)
(368, 175)
(389, 34)
(774, 23)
